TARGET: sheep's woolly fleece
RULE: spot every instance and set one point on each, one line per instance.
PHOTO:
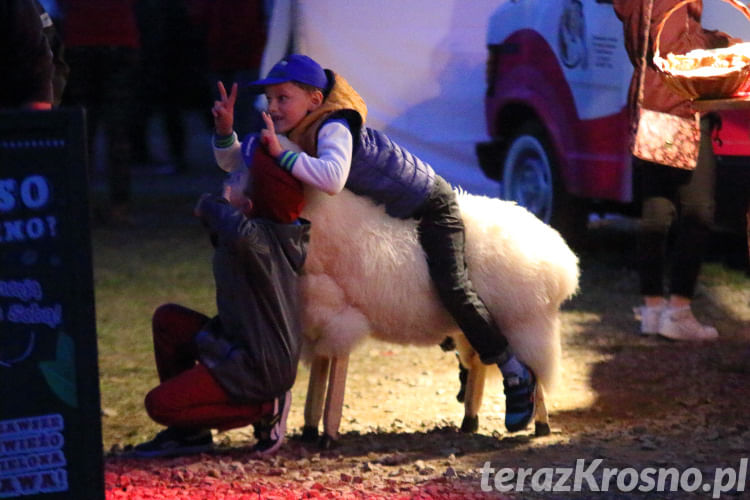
(366, 275)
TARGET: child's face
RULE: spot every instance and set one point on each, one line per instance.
(236, 190)
(288, 104)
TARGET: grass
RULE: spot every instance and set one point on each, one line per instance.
(164, 257)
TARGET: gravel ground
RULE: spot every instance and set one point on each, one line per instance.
(631, 401)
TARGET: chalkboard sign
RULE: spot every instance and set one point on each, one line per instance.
(50, 422)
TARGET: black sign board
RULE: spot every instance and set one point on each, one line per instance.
(50, 423)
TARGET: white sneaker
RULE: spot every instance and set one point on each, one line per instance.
(650, 317)
(678, 323)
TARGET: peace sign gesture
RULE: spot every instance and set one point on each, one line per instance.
(223, 110)
(268, 137)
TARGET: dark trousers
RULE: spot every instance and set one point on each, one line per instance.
(683, 201)
(441, 233)
(188, 396)
(102, 80)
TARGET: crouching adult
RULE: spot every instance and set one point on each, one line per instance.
(238, 367)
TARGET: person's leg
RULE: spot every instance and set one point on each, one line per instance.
(697, 206)
(658, 212)
(657, 215)
(120, 114)
(174, 122)
(190, 405)
(194, 400)
(174, 328)
(441, 234)
(696, 201)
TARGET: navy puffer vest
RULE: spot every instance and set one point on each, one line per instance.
(385, 172)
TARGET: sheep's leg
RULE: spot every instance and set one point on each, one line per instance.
(473, 397)
(316, 389)
(541, 418)
(334, 400)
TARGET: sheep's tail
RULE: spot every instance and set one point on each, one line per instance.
(524, 271)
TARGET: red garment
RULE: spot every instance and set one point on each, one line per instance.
(193, 400)
(100, 23)
(276, 194)
(682, 32)
(189, 396)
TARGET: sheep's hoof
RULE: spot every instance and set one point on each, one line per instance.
(326, 442)
(470, 425)
(542, 429)
(448, 344)
(309, 434)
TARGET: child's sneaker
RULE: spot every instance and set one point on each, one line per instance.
(520, 403)
(678, 323)
(650, 318)
(270, 430)
(173, 441)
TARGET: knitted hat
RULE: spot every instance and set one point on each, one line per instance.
(275, 194)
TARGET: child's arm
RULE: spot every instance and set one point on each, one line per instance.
(228, 157)
(329, 171)
(227, 149)
(228, 224)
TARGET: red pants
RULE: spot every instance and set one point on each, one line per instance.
(188, 396)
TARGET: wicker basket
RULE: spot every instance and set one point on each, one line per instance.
(701, 87)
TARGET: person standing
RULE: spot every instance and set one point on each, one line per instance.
(234, 46)
(672, 197)
(102, 49)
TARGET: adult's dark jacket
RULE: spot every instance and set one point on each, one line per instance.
(682, 33)
(252, 346)
(26, 67)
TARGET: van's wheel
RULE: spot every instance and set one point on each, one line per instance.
(531, 178)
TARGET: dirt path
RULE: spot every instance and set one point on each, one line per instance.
(631, 402)
(627, 400)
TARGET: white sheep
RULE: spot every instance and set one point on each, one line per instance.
(366, 274)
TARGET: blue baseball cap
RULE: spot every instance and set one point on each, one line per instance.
(293, 68)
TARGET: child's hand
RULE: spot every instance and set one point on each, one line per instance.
(197, 210)
(223, 110)
(268, 137)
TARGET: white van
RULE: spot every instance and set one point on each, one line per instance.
(557, 84)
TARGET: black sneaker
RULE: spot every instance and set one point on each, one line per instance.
(173, 441)
(270, 430)
(519, 400)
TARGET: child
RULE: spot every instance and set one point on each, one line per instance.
(236, 368)
(320, 112)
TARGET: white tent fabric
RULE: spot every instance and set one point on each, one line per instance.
(419, 65)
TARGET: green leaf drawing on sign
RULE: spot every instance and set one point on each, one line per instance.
(61, 373)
